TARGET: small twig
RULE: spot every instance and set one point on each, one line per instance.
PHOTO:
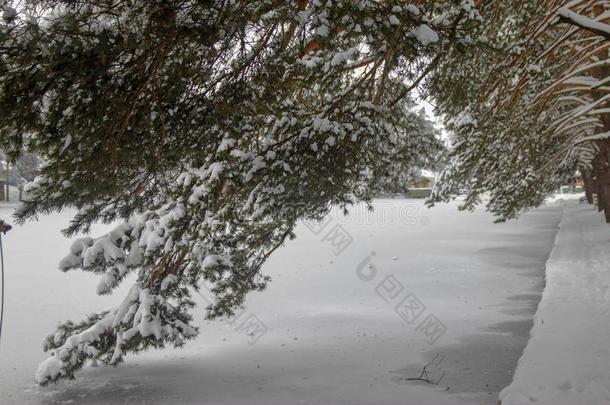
(423, 376)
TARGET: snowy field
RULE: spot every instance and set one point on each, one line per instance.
(338, 324)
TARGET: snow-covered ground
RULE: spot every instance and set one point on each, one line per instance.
(357, 305)
(567, 360)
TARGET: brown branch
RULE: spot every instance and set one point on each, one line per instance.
(421, 77)
(357, 65)
(156, 271)
(293, 26)
(166, 265)
(179, 261)
(149, 75)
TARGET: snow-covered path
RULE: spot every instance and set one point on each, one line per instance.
(567, 360)
(338, 324)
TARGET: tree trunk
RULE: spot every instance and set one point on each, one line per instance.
(601, 177)
(605, 176)
(587, 178)
(601, 162)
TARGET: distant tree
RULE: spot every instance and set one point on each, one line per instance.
(418, 147)
(206, 129)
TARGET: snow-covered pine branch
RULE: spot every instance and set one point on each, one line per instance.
(206, 130)
(141, 321)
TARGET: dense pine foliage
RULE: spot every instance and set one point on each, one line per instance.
(529, 109)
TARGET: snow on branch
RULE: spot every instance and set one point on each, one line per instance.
(596, 137)
(143, 320)
(569, 17)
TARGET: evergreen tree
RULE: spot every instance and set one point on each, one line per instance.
(529, 106)
(205, 129)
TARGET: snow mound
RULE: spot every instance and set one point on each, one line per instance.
(567, 360)
(561, 198)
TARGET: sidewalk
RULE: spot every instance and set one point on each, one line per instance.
(567, 360)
